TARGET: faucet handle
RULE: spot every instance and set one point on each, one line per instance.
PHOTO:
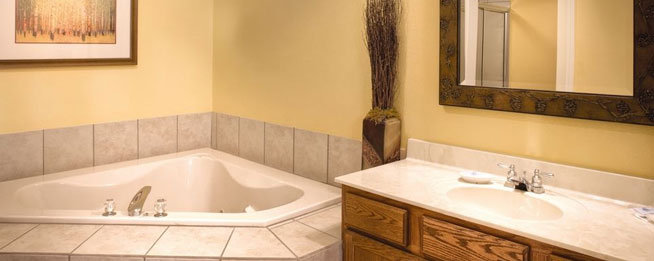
(537, 181)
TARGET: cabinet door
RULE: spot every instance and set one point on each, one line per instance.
(361, 248)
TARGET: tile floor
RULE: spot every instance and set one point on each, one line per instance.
(312, 237)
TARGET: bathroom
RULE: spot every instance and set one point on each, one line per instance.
(243, 130)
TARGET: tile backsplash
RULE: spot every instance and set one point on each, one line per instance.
(313, 155)
(604, 184)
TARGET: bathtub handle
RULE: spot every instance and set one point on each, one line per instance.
(135, 207)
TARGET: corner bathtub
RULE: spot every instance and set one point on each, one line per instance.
(201, 187)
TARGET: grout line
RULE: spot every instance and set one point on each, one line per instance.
(282, 241)
(155, 242)
(138, 138)
(43, 154)
(293, 167)
(177, 135)
(264, 142)
(21, 235)
(87, 239)
(227, 243)
(93, 143)
(328, 146)
(321, 231)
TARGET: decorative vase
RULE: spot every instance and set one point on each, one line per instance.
(381, 142)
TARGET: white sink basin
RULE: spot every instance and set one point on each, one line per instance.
(506, 203)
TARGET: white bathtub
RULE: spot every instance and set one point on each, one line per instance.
(202, 187)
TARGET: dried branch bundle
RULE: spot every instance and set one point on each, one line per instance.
(382, 19)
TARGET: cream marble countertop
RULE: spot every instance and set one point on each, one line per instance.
(591, 225)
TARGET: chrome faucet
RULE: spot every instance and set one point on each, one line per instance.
(521, 182)
(135, 207)
(512, 179)
(537, 181)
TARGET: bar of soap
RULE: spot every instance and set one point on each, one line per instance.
(476, 177)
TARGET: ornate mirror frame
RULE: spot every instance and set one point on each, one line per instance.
(636, 109)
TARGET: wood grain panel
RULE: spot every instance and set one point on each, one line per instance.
(378, 219)
(447, 241)
(361, 248)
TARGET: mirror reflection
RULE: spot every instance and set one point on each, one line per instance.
(583, 46)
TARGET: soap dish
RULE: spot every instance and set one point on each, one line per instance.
(476, 177)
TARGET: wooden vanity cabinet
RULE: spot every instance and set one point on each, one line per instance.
(376, 228)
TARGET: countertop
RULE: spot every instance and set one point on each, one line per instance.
(591, 225)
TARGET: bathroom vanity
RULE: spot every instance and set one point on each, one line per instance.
(418, 210)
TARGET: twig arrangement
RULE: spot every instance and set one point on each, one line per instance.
(382, 19)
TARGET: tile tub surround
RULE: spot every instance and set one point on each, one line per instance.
(115, 142)
(289, 240)
(312, 155)
(600, 183)
(21, 155)
(67, 148)
(36, 153)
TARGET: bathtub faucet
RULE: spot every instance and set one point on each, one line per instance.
(136, 206)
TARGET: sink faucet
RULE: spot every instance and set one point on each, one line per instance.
(537, 181)
(135, 207)
(521, 182)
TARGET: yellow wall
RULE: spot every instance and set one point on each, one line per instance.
(604, 51)
(302, 63)
(298, 63)
(173, 76)
(532, 44)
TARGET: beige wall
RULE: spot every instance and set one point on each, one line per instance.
(532, 44)
(302, 63)
(299, 63)
(173, 76)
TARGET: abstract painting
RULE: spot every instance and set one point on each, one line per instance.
(66, 21)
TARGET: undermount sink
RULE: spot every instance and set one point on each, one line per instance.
(506, 203)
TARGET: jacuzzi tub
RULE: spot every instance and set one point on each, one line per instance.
(201, 187)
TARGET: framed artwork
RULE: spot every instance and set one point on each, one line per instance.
(68, 32)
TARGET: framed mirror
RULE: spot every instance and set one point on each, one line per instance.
(588, 59)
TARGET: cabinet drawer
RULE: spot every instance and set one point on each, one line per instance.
(446, 241)
(361, 248)
(376, 218)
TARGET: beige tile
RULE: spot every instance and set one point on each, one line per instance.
(198, 242)
(9, 232)
(279, 147)
(115, 142)
(344, 158)
(14, 257)
(67, 149)
(157, 136)
(194, 131)
(227, 133)
(21, 155)
(255, 243)
(302, 239)
(310, 155)
(121, 240)
(328, 221)
(331, 253)
(105, 258)
(52, 238)
(250, 140)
